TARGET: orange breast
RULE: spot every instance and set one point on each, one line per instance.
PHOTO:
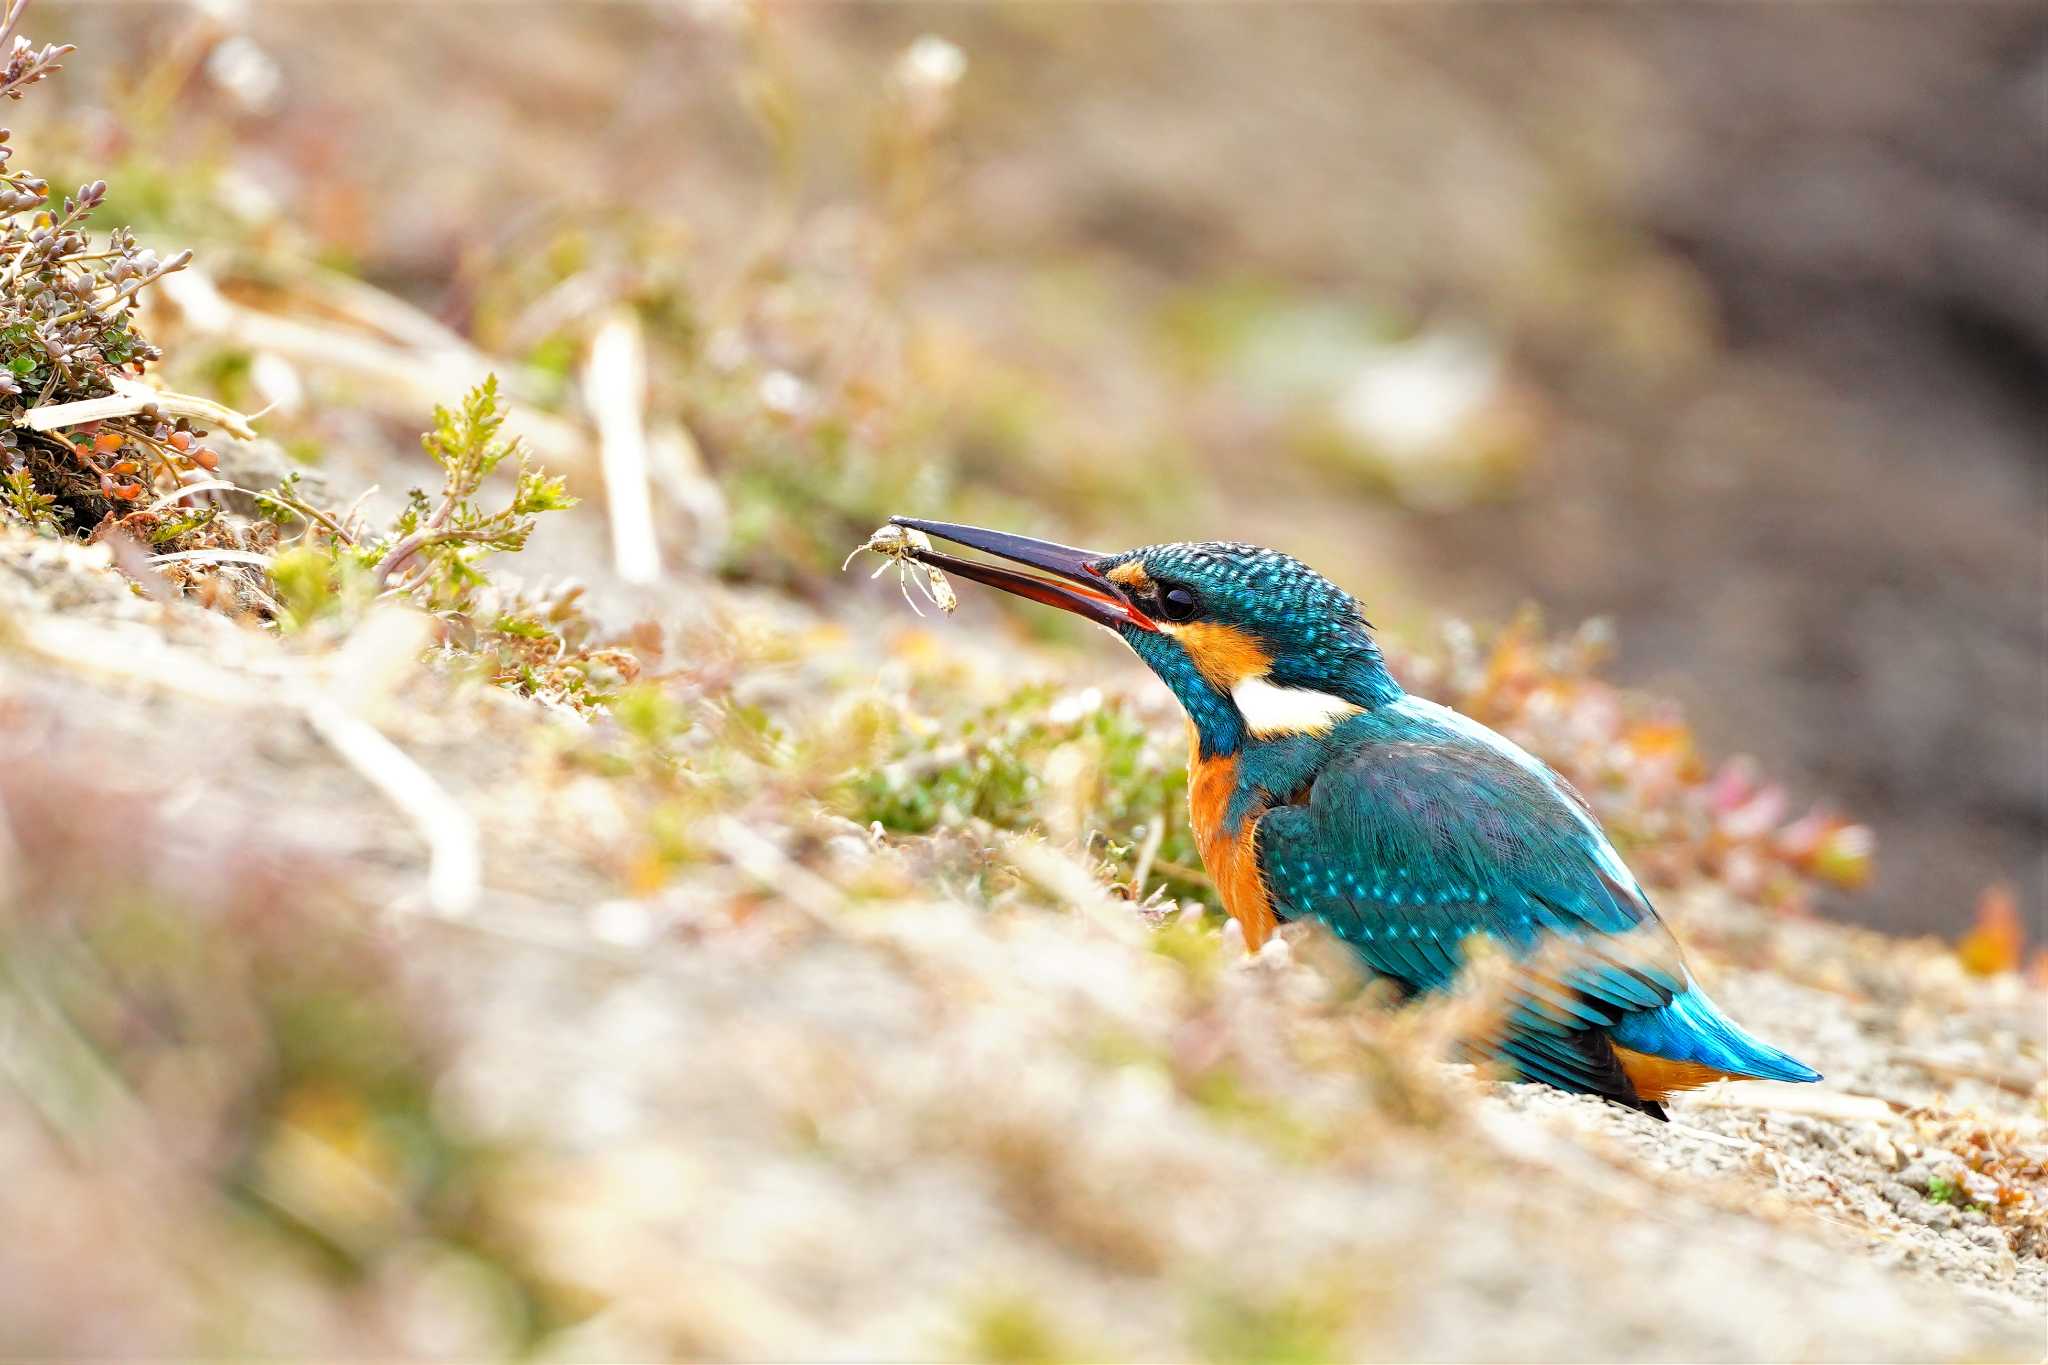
(1233, 860)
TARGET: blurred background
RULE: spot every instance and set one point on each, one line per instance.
(707, 958)
(1730, 331)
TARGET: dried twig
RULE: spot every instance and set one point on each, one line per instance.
(131, 396)
(1182, 872)
(615, 387)
(186, 490)
(1155, 835)
(213, 557)
(454, 848)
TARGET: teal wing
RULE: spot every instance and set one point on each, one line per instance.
(1409, 847)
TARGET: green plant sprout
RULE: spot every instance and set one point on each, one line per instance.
(435, 545)
(431, 557)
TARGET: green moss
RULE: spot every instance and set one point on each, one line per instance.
(1014, 1331)
(1194, 945)
(1116, 1048)
(316, 582)
(1130, 775)
(1942, 1190)
(649, 714)
(1231, 1328)
(37, 509)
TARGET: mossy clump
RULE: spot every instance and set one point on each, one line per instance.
(1296, 1330)
(1942, 1190)
(1084, 765)
(1016, 1331)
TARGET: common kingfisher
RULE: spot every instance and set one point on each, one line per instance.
(1320, 790)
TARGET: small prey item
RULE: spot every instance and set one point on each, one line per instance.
(899, 545)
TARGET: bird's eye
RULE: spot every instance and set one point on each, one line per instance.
(1176, 604)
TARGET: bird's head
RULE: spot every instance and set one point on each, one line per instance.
(1254, 643)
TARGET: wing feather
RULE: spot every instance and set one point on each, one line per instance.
(1425, 833)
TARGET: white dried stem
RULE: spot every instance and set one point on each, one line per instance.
(131, 396)
(615, 390)
(454, 847)
(213, 557)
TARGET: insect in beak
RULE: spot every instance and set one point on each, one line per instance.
(1066, 577)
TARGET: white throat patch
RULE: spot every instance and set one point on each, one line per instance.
(1270, 710)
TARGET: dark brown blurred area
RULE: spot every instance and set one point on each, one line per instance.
(1772, 286)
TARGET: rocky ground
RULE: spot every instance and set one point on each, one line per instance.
(344, 1014)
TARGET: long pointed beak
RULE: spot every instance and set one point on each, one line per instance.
(1066, 577)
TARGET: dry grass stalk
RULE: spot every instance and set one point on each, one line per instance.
(615, 387)
(131, 396)
(454, 848)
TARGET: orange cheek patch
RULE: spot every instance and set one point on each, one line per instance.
(1225, 655)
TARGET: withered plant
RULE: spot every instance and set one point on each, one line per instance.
(82, 446)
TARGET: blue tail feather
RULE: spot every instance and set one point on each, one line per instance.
(1692, 1029)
